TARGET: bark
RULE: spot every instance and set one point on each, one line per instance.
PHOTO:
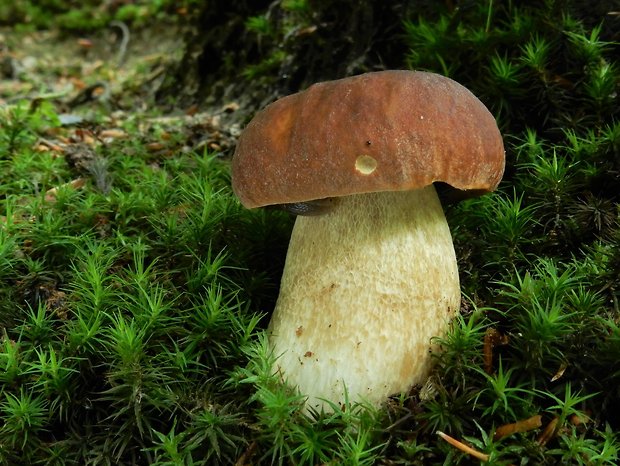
(327, 40)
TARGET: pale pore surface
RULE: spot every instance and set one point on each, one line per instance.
(364, 289)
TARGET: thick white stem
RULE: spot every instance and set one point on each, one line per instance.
(365, 288)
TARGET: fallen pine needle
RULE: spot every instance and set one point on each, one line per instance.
(524, 425)
(464, 448)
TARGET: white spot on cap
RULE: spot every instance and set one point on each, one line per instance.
(365, 164)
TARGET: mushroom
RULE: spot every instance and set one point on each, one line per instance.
(371, 280)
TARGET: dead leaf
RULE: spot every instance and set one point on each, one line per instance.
(57, 303)
(492, 338)
(155, 146)
(41, 148)
(44, 145)
(560, 372)
(192, 110)
(85, 136)
(113, 133)
(50, 195)
(230, 107)
(80, 156)
(307, 30)
(85, 43)
(245, 458)
(77, 82)
(549, 431)
(579, 420)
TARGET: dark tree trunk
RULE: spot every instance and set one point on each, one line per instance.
(226, 59)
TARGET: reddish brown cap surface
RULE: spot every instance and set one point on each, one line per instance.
(382, 131)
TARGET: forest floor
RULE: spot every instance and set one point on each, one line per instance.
(96, 83)
(64, 65)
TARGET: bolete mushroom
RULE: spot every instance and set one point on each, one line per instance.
(367, 284)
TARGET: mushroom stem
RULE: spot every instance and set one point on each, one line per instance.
(365, 287)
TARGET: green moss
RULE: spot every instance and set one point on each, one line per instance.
(133, 307)
(89, 15)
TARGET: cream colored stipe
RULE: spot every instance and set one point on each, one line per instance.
(364, 289)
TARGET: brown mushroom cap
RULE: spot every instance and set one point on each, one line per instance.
(382, 131)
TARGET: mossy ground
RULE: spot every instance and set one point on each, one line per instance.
(135, 289)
